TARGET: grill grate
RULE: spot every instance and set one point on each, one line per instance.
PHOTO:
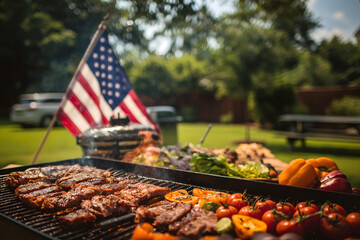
(35, 224)
(48, 224)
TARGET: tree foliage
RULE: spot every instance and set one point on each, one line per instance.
(344, 58)
(45, 40)
(289, 16)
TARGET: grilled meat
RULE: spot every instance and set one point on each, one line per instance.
(70, 199)
(195, 213)
(149, 213)
(77, 218)
(105, 206)
(36, 198)
(31, 187)
(141, 192)
(115, 204)
(15, 179)
(51, 174)
(202, 222)
(163, 220)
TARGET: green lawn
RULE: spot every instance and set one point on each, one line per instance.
(19, 145)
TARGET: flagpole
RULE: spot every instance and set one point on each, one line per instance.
(99, 31)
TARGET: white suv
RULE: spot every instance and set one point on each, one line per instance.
(36, 109)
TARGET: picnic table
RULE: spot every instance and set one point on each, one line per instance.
(301, 127)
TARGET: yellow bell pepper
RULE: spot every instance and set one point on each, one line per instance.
(246, 227)
(299, 173)
(323, 164)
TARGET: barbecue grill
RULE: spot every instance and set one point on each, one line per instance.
(111, 141)
(18, 220)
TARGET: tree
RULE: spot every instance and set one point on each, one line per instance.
(344, 58)
(45, 41)
(289, 16)
(249, 59)
(152, 78)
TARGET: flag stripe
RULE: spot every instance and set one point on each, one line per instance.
(65, 120)
(132, 108)
(95, 92)
(76, 117)
(81, 105)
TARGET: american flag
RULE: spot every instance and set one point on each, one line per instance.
(101, 90)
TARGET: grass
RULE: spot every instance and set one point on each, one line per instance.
(18, 145)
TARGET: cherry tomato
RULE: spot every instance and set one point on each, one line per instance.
(271, 203)
(265, 205)
(334, 227)
(251, 212)
(333, 208)
(353, 219)
(271, 218)
(356, 191)
(308, 220)
(289, 226)
(223, 211)
(306, 204)
(286, 208)
(237, 200)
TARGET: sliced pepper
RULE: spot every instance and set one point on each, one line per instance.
(246, 227)
(299, 173)
(210, 196)
(181, 196)
(146, 232)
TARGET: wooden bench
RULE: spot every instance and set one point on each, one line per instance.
(303, 127)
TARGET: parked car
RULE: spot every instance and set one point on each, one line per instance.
(163, 114)
(35, 109)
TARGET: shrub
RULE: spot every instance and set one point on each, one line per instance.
(347, 106)
(227, 118)
(188, 113)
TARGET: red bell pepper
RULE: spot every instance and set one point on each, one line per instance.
(335, 181)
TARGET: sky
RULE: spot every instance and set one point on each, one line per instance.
(337, 17)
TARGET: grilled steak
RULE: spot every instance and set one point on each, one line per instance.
(70, 199)
(37, 201)
(203, 222)
(195, 213)
(105, 206)
(15, 179)
(77, 218)
(27, 188)
(51, 174)
(149, 213)
(163, 220)
(141, 192)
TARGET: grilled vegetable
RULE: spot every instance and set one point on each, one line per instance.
(246, 227)
(224, 225)
(181, 196)
(147, 232)
(335, 181)
(299, 173)
(210, 196)
(211, 206)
